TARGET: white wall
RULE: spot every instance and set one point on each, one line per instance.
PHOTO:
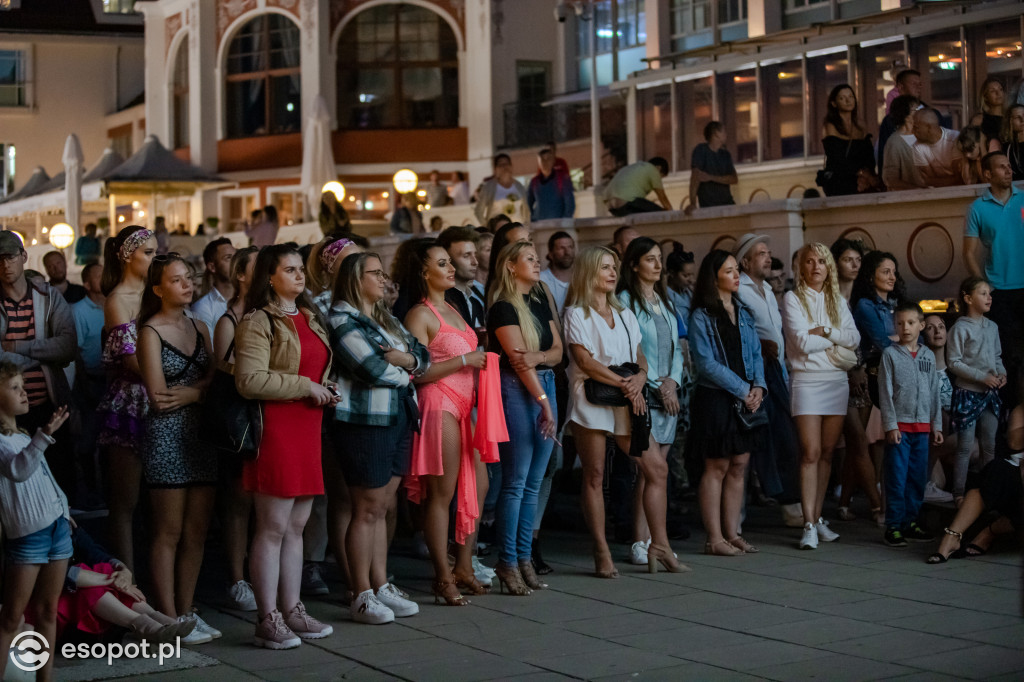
(75, 87)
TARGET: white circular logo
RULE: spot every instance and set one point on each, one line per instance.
(29, 651)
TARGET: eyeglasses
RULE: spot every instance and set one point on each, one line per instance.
(379, 274)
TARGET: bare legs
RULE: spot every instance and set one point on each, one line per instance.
(339, 514)
(367, 537)
(124, 475)
(818, 436)
(440, 491)
(32, 589)
(721, 497)
(235, 509)
(180, 520)
(275, 558)
(591, 448)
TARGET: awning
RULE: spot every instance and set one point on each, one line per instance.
(581, 97)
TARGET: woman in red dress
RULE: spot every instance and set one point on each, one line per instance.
(282, 357)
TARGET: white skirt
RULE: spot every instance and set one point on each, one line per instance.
(818, 393)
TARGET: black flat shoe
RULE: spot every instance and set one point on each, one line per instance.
(539, 565)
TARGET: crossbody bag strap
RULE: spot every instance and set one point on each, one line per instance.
(629, 338)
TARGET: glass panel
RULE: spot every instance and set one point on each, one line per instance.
(656, 122)
(285, 105)
(179, 87)
(532, 79)
(246, 108)
(879, 65)
(731, 11)
(368, 99)
(938, 59)
(696, 114)
(740, 111)
(782, 88)
(7, 156)
(284, 43)
(247, 52)
(997, 48)
(12, 78)
(823, 74)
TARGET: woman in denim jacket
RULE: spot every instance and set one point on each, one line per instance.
(876, 292)
(730, 375)
(642, 290)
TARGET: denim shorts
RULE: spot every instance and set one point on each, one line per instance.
(52, 543)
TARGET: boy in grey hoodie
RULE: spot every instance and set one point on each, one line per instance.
(908, 395)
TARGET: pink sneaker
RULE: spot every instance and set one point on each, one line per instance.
(272, 633)
(305, 625)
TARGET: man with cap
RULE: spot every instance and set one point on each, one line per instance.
(37, 334)
(777, 464)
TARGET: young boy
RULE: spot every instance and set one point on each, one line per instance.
(908, 388)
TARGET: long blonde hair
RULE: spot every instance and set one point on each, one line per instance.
(348, 288)
(504, 288)
(585, 272)
(830, 288)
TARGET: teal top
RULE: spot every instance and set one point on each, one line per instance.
(1000, 227)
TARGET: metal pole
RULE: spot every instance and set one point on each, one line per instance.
(595, 111)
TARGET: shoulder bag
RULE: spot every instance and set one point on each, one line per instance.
(600, 393)
(231, 424)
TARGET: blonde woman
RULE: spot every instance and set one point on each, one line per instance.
(818, 325)
(600, 332)
(522, 331)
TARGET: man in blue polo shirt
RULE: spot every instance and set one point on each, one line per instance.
(996, 220)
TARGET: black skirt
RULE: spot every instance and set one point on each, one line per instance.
(715, 430)
(1002, 490)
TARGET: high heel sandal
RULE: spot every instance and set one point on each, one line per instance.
(739, 543)
(730, 550)
(529, 576)
(657, 554)
(938, 557)
(610, 574)
(470, 584)
(446, 590)
(509, 577)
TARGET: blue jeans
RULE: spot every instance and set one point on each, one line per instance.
(524, 459)
(906, 473)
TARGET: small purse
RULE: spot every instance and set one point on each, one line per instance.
(749, 420)
(842, 358)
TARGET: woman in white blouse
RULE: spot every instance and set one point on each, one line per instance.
(600, 332)
(820, 336)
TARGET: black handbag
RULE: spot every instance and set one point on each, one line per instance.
(640, 429)
(600, 393)
(231, 424)
(749, 420)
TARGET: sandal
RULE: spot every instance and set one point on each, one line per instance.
(939, 558)
(446, 589)
(608, 574)
(742, 545)
(730, 549)
(470, 584)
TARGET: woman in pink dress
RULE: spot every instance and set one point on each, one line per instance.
(442, 452)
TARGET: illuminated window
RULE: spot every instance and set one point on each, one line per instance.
(12, 78)
(264, 92)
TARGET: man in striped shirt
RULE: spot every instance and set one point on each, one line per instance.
(37, 333)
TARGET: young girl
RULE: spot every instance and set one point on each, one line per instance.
(181, 472)
(35, 518)
(973, 355)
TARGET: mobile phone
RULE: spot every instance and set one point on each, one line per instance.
(334, 389)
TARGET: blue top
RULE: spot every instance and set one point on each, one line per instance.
(89, 327)
(876, 322)
(681, 302)
(551, 196)
(709, 353)
(1000, 227)
(649, 341)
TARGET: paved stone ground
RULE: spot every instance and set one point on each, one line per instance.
(852, 610)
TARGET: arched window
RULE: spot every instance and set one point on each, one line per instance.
(179, 98)
(398, 68)
(263, 94)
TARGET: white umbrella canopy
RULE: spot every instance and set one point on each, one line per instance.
(317, 158)
(73, 171)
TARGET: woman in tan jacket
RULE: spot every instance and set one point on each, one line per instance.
(282, 358)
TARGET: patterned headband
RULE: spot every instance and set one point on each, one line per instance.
(132, 242)
(329, 256)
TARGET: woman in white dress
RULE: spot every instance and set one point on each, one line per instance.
(600, 332)
(820, 341)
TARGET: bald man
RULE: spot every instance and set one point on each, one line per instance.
(935, 151)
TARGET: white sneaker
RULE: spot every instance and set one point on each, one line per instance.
(391, 597)
(483, 574)
(809, 540)
(203, 626)
(638, 553)
(933, 493)
(366, 608)
(825, 534)
(197, 636)
(242, 597)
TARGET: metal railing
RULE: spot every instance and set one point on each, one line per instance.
(530, 123)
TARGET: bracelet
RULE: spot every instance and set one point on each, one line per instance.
(541, 398)
(463, 358)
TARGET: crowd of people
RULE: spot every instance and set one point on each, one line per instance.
(453, 386)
